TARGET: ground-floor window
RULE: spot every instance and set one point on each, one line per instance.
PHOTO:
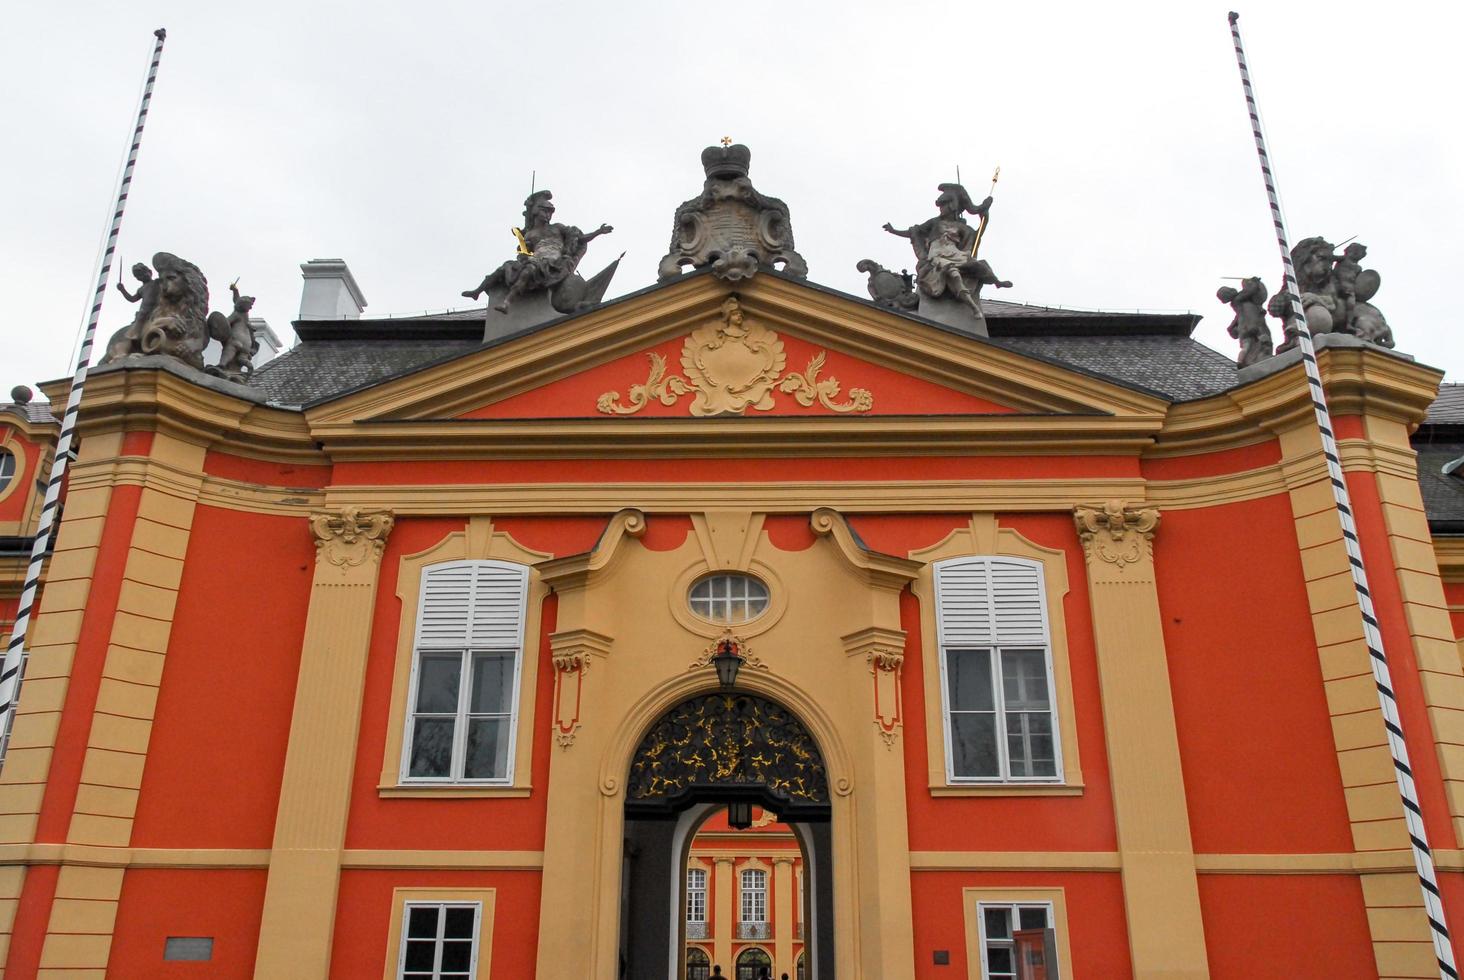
(1012, 939)
(754, 964)
(801, 966)
(439, 940)
(698, 965)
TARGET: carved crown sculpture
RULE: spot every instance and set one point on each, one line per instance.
(726, 162)
(730, 227)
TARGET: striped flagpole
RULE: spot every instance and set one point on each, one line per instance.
(10, 673)
(1413, 815)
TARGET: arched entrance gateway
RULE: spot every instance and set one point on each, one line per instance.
(732, 749)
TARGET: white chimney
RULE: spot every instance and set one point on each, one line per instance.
(330, 291)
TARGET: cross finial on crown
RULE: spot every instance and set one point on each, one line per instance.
(726, 141)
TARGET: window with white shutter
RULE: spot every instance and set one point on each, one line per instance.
(996, 671)
(465, 673)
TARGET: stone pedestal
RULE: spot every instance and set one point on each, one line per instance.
(952, 313)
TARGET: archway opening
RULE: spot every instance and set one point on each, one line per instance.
(727, 836)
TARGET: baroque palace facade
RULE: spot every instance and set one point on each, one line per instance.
(412, 654)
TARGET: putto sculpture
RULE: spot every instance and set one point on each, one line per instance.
(548, 256)
(1336, 292)
(236, 336)
(892, 290)
(1249, 323)
(946, 266)
(730, 226)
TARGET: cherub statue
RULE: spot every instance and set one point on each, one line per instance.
(1249, 324)
(943, 246)
(888, 289)
(236, 336)
(123, 341)
(548, 255)
(1282, 309)
(1336, 291)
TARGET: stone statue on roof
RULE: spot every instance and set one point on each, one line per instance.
(946, 266)
(172, 313)
(235, 335)
(1336, 292)
(548, 256)
(1249, 324)
(892, 290)
(730, 226)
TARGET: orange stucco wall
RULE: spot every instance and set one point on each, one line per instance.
(894, 394)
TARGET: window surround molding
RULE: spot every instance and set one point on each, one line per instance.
(16, 449)
(400, 897)
(478, 542)
(982, 537)
(753, 864)
(974, 898)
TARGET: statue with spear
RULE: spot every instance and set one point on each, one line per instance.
(945, 248)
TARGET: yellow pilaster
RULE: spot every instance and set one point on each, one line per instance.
(51, 648)
(1402, 943)
(1161, 895)
(79, 932)
(722, 917)
(298, 923)
(782, 915)
(1425, 609)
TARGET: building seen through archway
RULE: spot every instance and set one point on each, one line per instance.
(744, 898)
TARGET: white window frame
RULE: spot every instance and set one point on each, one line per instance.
(1014, 908)
(9, 467)
(742, 591)
(998, 688)
(460, 729)
(407, 907)
(696, 896)
(755, 896)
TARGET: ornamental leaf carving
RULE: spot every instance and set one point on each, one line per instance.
(730, 366)
(1118, 535)
(348, 537)
(807, 389)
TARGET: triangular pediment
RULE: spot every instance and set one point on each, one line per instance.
(767, 346)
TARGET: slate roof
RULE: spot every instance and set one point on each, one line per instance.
(35, 412)
(1438, 442)
(1149, 352)
(1177, 368)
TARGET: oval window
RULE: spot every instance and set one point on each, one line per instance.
(7, 468)
(729, 598)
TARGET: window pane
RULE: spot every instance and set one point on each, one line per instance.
(457, 956)
(420, 953)
(998, 924)
(973, 744)
(422, 922)
(431, 748)
(437, 683)
(492, 688)
(968, 673)
(487, 749)
(1024, 680)
(1029, 744)
(1034, 918)
(459, 923)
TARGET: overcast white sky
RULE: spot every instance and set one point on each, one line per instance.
(401, 137)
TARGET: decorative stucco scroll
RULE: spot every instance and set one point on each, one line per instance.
(732, 365)
(348, 537)
(1118, 535)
